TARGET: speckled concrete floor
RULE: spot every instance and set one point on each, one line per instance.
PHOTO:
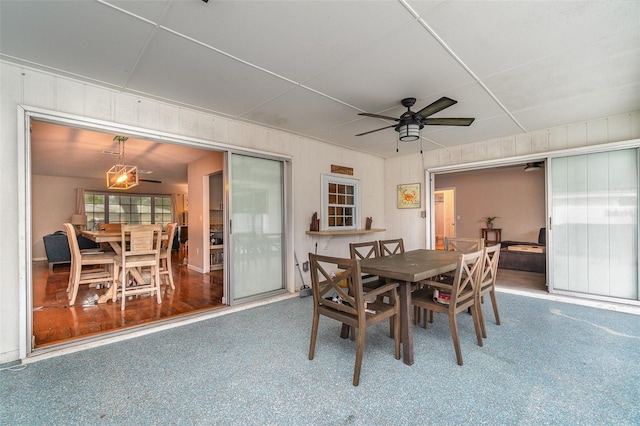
(548, 363)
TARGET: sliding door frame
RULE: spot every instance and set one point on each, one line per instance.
(25, 292)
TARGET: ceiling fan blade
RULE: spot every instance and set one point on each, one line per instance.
(436, 106)
(381, 128)
(366, 114)
(448, 121)
(150, 180)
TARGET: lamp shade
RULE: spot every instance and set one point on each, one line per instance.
(409, 132)
(78, 219)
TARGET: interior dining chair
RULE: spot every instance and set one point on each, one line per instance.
(389, 247)
(110, 227)
(142, 254)
(488, 283)
(90, 266)
(347, 304)
(464, 294)
(165, 254)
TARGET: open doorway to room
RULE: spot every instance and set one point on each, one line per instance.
(64, 159)
(444, 209)
(516, 195)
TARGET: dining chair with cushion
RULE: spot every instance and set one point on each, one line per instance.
(389, 247)
(463, 293)
(349, 305)
(165, 254)
(90, 266)
(142, 254)
(488, 283)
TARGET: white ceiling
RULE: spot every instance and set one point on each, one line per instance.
(310, 67)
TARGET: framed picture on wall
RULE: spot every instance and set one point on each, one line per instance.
(409, 196)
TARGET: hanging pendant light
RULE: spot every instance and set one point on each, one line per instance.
(121, 176)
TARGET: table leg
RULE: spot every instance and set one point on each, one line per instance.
(406, 329)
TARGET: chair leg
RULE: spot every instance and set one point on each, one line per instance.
(359, 353)
(74, 282)
(480, 315)
(155, 277)
(114, 284)
(314, 335)
(170, 271)
(453, 325)
(476, 314)
(396, 335)
(494, 302)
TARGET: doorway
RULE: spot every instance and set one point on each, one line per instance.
(201, 288)
(444, 210)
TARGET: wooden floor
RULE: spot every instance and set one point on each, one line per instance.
(54, 321)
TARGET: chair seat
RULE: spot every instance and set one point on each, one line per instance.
(425, 297)
(379, 311)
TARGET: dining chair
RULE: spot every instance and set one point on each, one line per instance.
(463, 295)
(389, 247)
(350, 305)
(366, 250)
(90, 266)
(165, 254)
(396, 246)
(141, 254)
(488, 283)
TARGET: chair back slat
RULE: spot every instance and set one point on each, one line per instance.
(464, 245)
(171, 232)
(328, 275)
(142, 239)
(490, 266)
(389, 247)
(466, 283)
(364, 250)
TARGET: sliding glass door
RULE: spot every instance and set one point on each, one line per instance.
(594, 224)
(256, 227)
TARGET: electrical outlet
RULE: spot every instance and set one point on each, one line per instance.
(305, 266)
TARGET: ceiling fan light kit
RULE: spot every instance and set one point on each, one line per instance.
(121, 176)
(411, 123)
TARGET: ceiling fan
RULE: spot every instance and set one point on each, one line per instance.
(410, 123)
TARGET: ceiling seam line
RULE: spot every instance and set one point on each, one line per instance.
(228, 55)
(457, 59)
(126, 12)
(260, 69)
(146, 45)
(471, 73)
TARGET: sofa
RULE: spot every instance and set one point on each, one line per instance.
(56, 246)
(525, 256)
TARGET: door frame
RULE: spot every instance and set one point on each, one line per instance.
(25, 291)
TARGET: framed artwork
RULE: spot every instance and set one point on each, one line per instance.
(409, 196)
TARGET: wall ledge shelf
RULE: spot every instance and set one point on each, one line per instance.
(349, 232)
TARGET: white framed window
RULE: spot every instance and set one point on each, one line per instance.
(101, 207)
(340, 203)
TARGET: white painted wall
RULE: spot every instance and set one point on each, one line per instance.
(23, 86)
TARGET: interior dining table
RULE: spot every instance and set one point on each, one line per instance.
(114, 239)
(408, 268)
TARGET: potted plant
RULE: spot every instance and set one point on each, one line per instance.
(488, 220)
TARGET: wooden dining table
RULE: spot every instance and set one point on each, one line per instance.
(408, 268)
(114, 239)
